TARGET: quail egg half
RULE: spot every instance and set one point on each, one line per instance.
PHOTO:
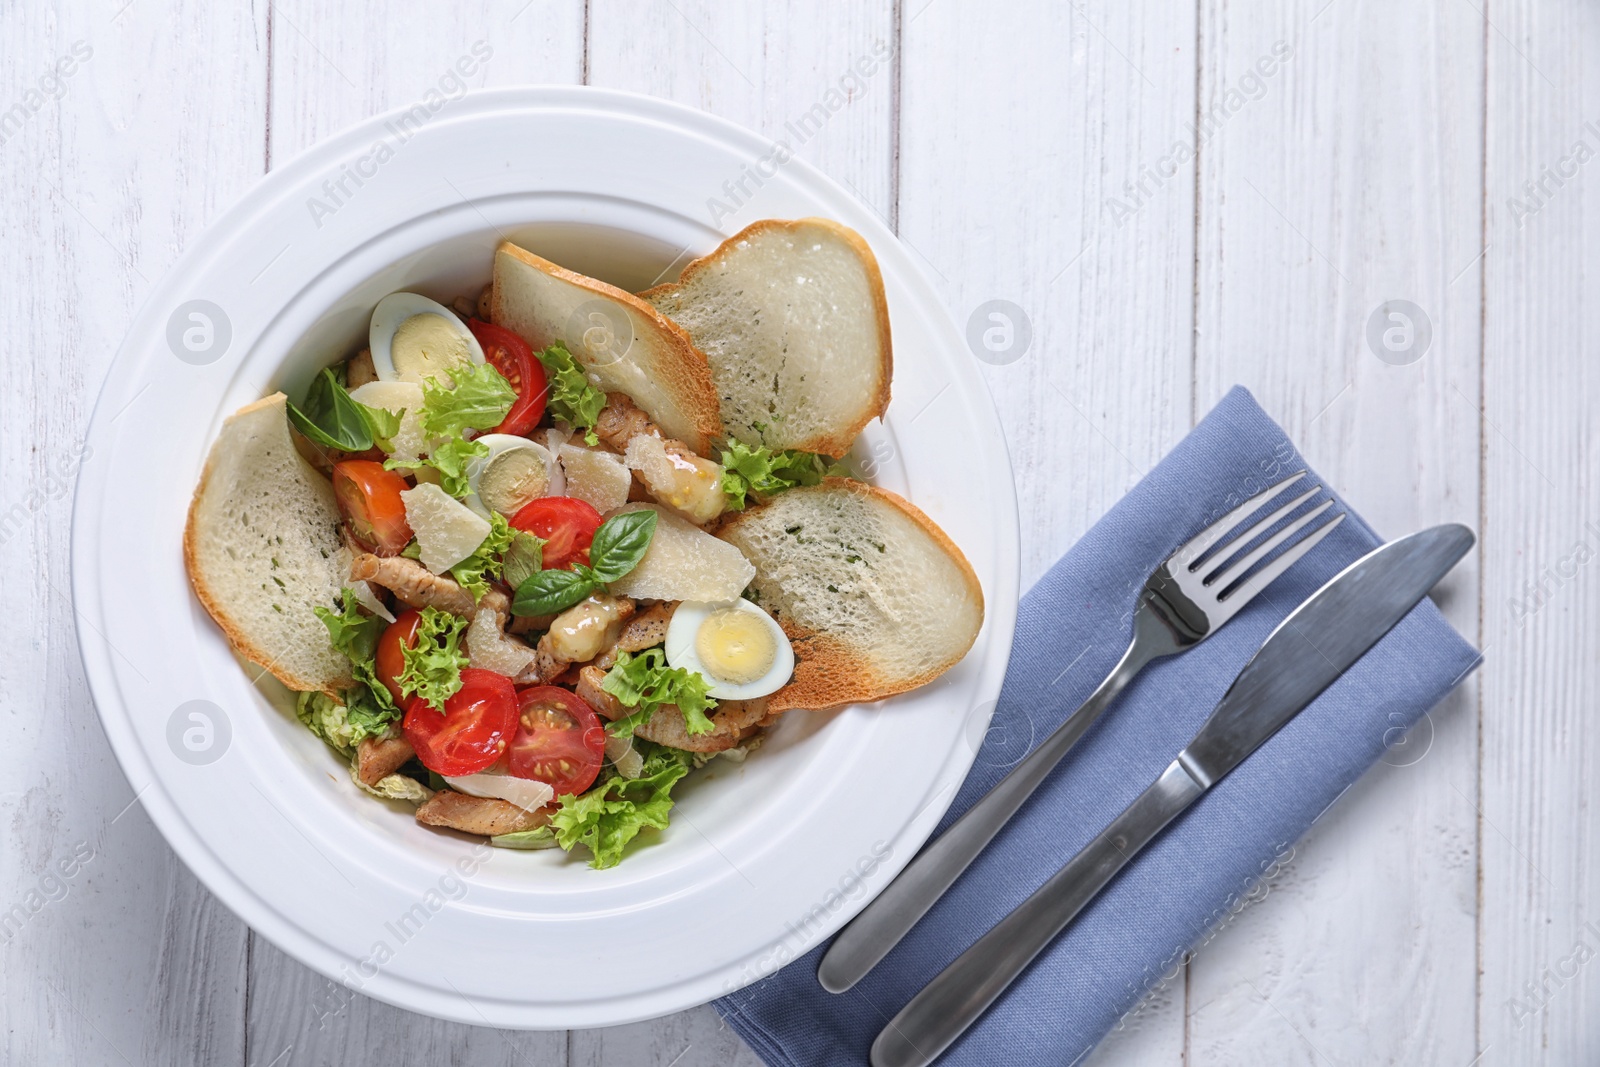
(515, 471)
(413, 338)
(736, 647)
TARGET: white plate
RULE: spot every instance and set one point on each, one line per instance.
(762, 860)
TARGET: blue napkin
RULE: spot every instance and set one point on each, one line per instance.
(1071, 629)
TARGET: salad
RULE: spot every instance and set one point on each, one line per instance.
(529, 560)
(524, 677)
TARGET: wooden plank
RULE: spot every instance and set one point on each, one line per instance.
(1020, 131)
(697, 1038)
(763, 66)
(298, 1016)
(113, 951)
(1341, 169)
(1541, 743)
(335, 65)
(332, 66)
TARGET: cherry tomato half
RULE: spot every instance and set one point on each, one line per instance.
(559, 739)
(513, 357)
(390, 658)
(566, 524)
(369, 500)
(473, 730)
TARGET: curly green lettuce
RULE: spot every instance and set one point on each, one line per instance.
(644, 681)
(449, 458)
(355, 633)
(615, 810)
(433, 662)
(763, 472)
(346, 720)
(487, 560)
(572, 397)
(393, 787)
(478, 399)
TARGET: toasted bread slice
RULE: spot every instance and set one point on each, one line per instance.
(876, 599)
(262, 547)
(793, 319)
(620, 340)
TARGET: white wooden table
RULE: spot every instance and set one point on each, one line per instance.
(1349, 154)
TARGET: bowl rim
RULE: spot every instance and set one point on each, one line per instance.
(113, 707)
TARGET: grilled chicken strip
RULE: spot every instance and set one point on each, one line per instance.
(735, 720)
(359, 370)
(645, 630)
(378, 758)
(670, 470)
(620, 421)
(544, 669)
(485, 816)
(418, 587)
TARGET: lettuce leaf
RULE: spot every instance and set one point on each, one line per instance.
(644, 681)
(434, 660)
(474, 572)
(541, 837)
(572, 397)
(479, 400)
(355, 633)
(344, 721)
(763, 472)
(449, 457)
(613, 812)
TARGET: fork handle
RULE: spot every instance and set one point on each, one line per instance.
(887, 919)
(963, 991)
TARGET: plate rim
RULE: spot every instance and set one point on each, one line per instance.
(113, 710)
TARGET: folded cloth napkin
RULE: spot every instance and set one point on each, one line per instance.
(1071, 629)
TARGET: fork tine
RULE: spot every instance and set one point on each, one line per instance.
(1196, 547)
(1220, 556)
(1238, 569)
(1242, 594)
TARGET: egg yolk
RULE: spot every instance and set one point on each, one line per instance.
(426, 344)
(734, 646)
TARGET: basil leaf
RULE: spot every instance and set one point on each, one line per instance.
(620, 543)
(551, 591)
(330, 418)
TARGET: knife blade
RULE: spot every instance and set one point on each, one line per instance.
(1300, 658)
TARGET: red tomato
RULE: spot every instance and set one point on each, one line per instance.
(390, 660)
(369, 500)
(559, 739)
(512, 357)
(566, 524)
(473, 730)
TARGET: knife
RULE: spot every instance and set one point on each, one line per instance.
(1313, 646)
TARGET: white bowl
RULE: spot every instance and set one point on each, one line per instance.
(763, 860)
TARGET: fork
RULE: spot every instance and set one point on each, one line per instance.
(1185, 600)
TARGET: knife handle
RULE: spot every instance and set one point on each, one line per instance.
(963, 991)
